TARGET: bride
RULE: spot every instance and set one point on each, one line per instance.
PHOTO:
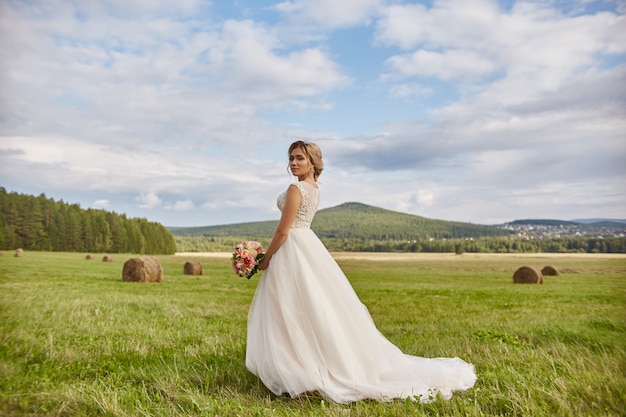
(309, 331)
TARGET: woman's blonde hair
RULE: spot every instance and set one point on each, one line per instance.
(313, 152)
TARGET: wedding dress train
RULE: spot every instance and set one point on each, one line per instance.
(309, 331)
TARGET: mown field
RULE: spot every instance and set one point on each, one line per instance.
(77, 341)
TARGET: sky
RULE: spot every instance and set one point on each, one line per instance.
(182, 111)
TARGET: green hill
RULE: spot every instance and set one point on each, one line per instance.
(264, 229)
(356, 221)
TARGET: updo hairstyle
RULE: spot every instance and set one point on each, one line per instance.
(313, 152)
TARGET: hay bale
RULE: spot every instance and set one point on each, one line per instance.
(192, 268)
(88, 257)
(142, 269)
(107, 258)
(550, 270)
(527, 275)
(19, 253)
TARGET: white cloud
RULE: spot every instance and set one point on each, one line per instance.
(148, 200)
(444, 65)
(405, 25)
(425, 197)
(183, 205)
(448, 22)
(414, 201)
(101, 204)
(150, 78)
(532, 44)
(409, 90)
(248, 56)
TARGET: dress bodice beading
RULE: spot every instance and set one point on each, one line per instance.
(308, 207)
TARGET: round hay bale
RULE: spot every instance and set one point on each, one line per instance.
(527, 275)
(142, 269)
(19, 253)
(107, 258)
(89, 257)
(550, 270)
(192, 268)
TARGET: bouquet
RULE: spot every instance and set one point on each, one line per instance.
(246, 258)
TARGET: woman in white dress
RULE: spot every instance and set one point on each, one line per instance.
(309, 331)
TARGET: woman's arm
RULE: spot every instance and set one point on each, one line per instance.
(292, 202)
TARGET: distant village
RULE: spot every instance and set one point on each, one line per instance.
(526, 230)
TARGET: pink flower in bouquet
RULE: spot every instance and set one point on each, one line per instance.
(246, 258)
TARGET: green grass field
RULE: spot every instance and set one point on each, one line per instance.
(77, 341)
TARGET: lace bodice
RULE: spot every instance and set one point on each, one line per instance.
(308, 207)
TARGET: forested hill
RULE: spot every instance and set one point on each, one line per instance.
(263, 229)
(40, 223)
(356, 221)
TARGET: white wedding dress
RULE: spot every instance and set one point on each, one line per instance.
(308, 330)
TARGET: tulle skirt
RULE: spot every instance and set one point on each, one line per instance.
(309, 331)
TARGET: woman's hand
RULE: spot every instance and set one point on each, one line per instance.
(264, 263)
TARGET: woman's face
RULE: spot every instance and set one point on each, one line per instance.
(299, 164)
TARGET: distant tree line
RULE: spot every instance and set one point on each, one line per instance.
(483, 245)
(480, 245)
(40, 223)
(214, 243)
